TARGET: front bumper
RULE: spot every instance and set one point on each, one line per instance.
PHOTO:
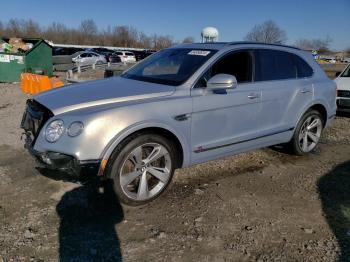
(343, 104)
(78, 170)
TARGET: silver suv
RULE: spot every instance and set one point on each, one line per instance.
(179, 107)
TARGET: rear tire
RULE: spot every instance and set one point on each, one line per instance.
(307, 133)
(142, 167)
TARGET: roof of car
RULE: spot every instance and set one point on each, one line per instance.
(81, 52)
(220, 45)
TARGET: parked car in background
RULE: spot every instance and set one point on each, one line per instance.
(114, 58)
(343, 90)
(125, 56)
(183, 106)
(88, 58)
(65, 50)
(102, 51)
(139, 55)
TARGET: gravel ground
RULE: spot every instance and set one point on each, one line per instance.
(263, 205)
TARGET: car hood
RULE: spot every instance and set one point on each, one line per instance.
(343, 83)
(100, 92)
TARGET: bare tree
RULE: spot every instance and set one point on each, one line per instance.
(267, 32)
(14, 27)
(314, 44)
(189, 39)
(160, 42)
(86, 33)
(57, 32)
(31, 28)
(88, 27)
(145, 41)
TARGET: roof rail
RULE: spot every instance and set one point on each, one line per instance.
(260, 43)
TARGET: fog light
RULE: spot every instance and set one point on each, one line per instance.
(75, 129)
(46, 160)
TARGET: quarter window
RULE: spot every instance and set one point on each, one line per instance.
(303, 69)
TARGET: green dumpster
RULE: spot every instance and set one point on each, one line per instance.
(38, 59)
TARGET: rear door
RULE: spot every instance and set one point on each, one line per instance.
(284, 93)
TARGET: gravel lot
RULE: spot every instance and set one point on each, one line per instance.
(264, 205)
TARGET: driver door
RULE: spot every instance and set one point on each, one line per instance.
(225, 122)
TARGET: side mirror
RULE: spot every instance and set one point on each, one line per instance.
(222, 81)
(337, 74)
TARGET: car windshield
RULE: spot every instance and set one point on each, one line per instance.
(346, 73)
(169, 66)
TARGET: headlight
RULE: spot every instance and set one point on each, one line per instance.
(54, 130)
(75, 128)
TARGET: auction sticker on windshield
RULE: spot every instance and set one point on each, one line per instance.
(199, 52)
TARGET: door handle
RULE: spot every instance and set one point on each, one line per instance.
(304, 91)
(253, 96)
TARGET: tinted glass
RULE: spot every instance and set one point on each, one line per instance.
(84, 55)
(303, 69)
(169, 66)
(274, 65)
(238, 64)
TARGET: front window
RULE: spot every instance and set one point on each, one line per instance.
(238, 64)
(170, 66)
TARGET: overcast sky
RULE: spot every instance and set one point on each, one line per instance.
(182, 18)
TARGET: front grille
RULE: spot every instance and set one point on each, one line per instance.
(343, 93)
(34, 118)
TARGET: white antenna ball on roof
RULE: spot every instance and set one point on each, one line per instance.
(209, 34)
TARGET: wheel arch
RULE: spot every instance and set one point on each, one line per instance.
(322, 110)
(161, 129)
(320, 107)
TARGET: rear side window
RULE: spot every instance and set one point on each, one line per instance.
(303, 69)
(274, 65)
(129, 54)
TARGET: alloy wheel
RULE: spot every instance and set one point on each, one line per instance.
(310, 133)
(145, 171)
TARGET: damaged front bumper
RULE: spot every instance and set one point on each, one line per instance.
(79, 170)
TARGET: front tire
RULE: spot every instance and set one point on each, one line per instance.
(142, 167)
(307, 133)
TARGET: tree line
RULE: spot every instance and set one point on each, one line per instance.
(270, 32)
(87, 33)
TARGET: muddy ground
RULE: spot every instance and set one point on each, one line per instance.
(263, 205)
